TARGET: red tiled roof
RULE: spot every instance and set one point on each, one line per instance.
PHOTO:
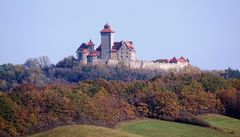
(130, 46)
(181, 59)
(90, 43)
(118, 45)
(107, 29)
(173, 60)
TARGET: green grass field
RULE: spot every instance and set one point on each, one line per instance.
(157, 128)
(224, 123)
(84, 131)
(229, 127)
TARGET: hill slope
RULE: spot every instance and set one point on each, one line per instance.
(138, 128)
(227, 124)
(159, 128)
(84, 131)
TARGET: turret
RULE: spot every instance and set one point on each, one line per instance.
(90, 46)
(92, 57)
(83, 55)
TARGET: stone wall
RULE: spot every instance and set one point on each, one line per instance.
(148, 65)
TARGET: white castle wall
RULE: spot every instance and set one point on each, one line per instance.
(148, 65)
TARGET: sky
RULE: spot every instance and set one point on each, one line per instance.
(205, 31)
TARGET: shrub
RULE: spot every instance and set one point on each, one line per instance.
(185, 117)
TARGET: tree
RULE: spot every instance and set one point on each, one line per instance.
(32, 63)
(163, 105)
(195, 100)
(230, 98)
(68, 62)
(212, 83)
(44, 61)
(231, 73)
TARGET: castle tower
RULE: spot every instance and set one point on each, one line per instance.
(90, 46)
(83, 55)
(107, 41)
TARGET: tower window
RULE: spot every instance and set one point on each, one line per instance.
(126, 56)
(121, 48)
(121, 56)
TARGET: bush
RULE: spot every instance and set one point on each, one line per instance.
(185, 117)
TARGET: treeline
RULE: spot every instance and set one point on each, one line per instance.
(176, 97)
(40, 72)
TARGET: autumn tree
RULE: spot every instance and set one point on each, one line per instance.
(195, 100)
(230, 98)
(163, 105)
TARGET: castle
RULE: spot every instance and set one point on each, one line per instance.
(112, 53)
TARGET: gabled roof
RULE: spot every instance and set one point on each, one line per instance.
(82, 46)
(118, 45)
(90, 43)
(181, 59)
(85, 45)
(107, 29)
(129, 45)
(173, 60)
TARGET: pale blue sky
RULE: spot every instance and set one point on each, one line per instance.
(205, 31)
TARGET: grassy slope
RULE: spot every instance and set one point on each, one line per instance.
(149, 128)
(225, 123)
(156, 128)
(84, 131)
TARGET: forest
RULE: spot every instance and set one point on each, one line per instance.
(37, 95)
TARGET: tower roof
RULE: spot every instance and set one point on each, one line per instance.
(90, 43)
(82, 46)
(107, 29)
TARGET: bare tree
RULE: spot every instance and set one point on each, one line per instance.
(44, 61)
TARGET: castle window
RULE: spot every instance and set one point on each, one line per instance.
(121, 48)
(121, 52)
(121, 56)
(126, 52)
(126, 56)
